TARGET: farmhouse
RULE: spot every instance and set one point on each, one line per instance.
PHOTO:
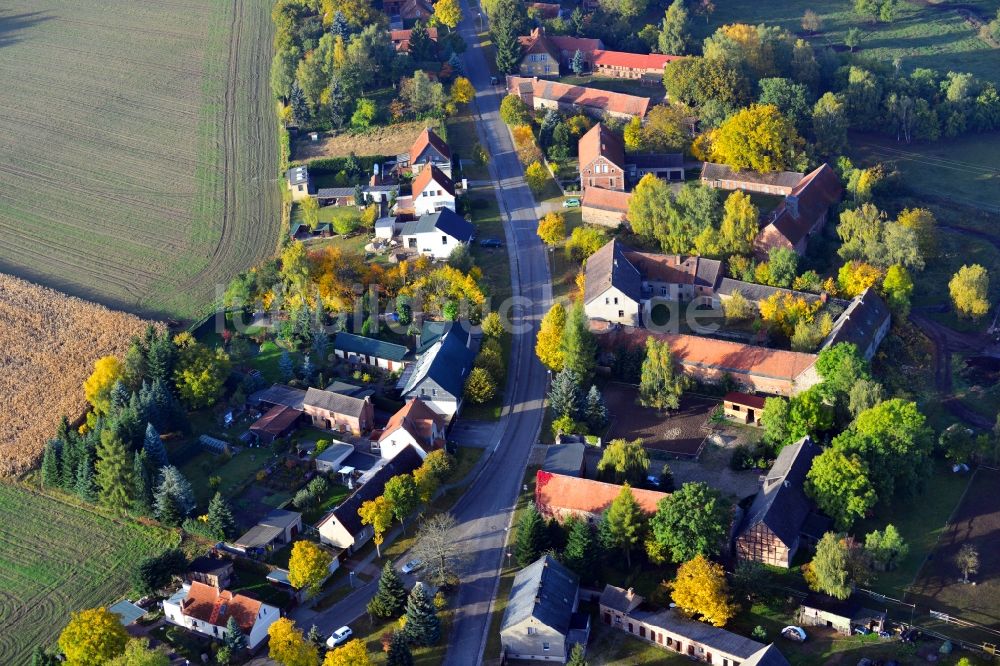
(438, 376)
(542, 95)
(864, 324)
(621, 65)
(723, 177)
(370, 351)
(820, 610)
(401, 38)
(415, 425)
(802, 213)
(437, 234)
(627, 611)
(210, 570)
(335, 411)
(560, 496)
(781, 516)
(432, 191)
(602, 159)
(545, 55)
(206, 610)
(608, 208)
(621, 282)
(743, 408)
(541, 622)
(300, 186)
(428, 150)
(342, 527)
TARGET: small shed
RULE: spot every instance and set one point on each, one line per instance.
(276, 423)
(743, 408)
(385, 227)
(820, 610)
(127, 611)
(565, 459)
(331, 458)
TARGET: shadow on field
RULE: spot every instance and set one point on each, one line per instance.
(12, 24)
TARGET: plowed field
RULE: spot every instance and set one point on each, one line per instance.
(138, 149)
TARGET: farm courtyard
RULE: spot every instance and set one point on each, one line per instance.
(139, 149)
(680, 434)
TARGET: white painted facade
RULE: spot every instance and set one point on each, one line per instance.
(432, 198)
(333, 533)
(615, 306)
(174, 615)
(436, 244)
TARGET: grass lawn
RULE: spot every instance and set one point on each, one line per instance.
(462, 137)
(334, 495)
(329, 214)
(371, 633)
(233, 473)
(267, 361)
(616, 648)
(252, 580)
(494, 262)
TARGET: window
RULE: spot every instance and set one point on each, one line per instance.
(612, 182)
(532, 631)
(607, 301)
(545, 645)
(434, 392)
(444, 240)
(616, 300)
(621, 314)
(547, 69)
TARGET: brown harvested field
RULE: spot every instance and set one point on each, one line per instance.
(680, 433)
(939, 586)
(389, 141)
(49, 343)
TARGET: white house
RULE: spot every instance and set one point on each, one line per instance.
(415, 425)
(437, 234)
(432, 191)
(206, 610)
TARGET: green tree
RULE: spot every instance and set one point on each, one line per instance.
(51, 464)
(840, 486)
(969, 289)
(865, 394)
(363, 116)
(507, 21)
(790, 97)
(390, 599)
(174, 486)
(886, 548)
(782, 263)
(154, 448)
(113, 473)
(674, 32)
(220, 518)
(691, 521)
(831, 567)
(626, 523)
(399, 652)
(401, 493)
(480, 386)
(234, 638)
(577, 656)
(579, 348)
(582, 550)
(201, 374)
(531, 537)
(661, 384)
(513, 111)
(624, 462)
(565, 396)
(829, 124)
(423, 626)
(740, 224)
(897, 287)
(595, 411)
(138, 653)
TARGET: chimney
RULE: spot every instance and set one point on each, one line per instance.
(792, 204)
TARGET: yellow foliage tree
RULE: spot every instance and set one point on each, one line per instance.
(93, 637)
(552, 228)
(740, 223)
(923, 223)
(351, 653)
(462, 91)
(783, 311)
(378, 514)
(856, 276)
(444, 284)
(757, 138)
(633, 135)
(288, 646)
(448, 12)
(700, 590)
(97, 387)
(308, 566)
(548, 346)
(536, 175)
(969, 289)
(310, 211)
(426, 482)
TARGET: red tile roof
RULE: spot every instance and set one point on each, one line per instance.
(735, 397)
(611, 200)
(276, 420)
(640, 61)
(570, 493)
(554, 45)
(428, 173)
(814, 194)
(428, 136)
(416, 418)
(593, 98)
(401, 38)
(215, 607)
(601, 141)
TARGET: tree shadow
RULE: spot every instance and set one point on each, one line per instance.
(11, 25)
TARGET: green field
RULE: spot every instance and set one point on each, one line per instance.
(139, 152)
(56, 558)
(924, 34)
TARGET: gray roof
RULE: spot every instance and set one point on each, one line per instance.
(298, 175)
(447, 363)
(768, 656)
(331, 192)
(127, 611)
(608, 268)
(619, 599)
(860, 321)
(359, 344)
(699, 632)
(789, 179)
(431, 332)
(782, 504)
(707, 272)
(206, 564)
(335, 452)
(346, 514)
(445, 220)
(545, 590)
(385, 222)
(259, 536)
(278, 394)
(654, 160)
(281, 518)
(564, 458)
(336, 403)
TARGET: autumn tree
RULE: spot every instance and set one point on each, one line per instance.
(626, 522)
(661, 384)
(93, 637)
(624, 461)
(967, 561)
(758, 138)
(830, 567)
(288, 646)
(856, 276)
(351, 653)
(700, 591)
(97, 388)
(513, 111)
(308, 566)
(548, 346)
(480, 386)
(840, 486)
(378, 514)
(138, 653)
(448, 13)
(740, 224)
(536, 176)
(462, 91)
(969, 289)
(552, 228)
(201, 372)
(436, 548)
(585, 241)
(401, 494)
(811, 21)
(691, 521)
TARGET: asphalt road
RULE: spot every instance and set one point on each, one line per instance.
(484, 512)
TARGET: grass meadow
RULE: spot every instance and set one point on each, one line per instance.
(138, 148)
(57, 557)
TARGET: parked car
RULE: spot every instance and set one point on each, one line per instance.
(797, 634)
(490, 242)
(339, 637)
(862, 631)
(411, 566)
(653, 481)
(571, 203)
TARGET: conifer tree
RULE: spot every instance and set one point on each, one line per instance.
(113, 473)
(70, 463)
(390, 600)
(626, 522)
(142, 478)
(578, 344)
(174, 485)
(154, 448)
(51, 464)
(161, 358)
(167, 510)
(576, 656)
(595, 412)
(423, 626)
(582, 550)
(565, 397)
(220, 518)
(532, 536)
(286, 366)
(120, 395)
(235, 639)
(339, 27)
(399, 652)
(84, 486)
